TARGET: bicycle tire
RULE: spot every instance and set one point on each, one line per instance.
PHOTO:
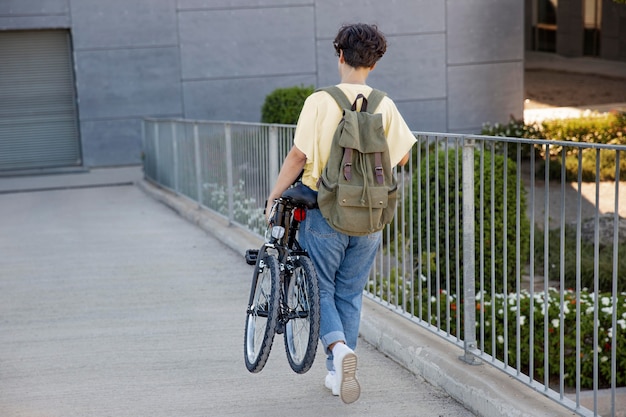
(302, 330)
(262, 313)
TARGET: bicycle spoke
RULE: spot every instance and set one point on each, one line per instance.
(303, 325)
(262, 314)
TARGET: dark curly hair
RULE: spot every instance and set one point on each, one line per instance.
(362, 44)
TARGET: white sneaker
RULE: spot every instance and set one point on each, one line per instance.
(330, 383)
(344, 360)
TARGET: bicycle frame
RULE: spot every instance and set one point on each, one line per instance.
(287, 213)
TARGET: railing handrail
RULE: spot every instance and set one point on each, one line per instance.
(214, 122)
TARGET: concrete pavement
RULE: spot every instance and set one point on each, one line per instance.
(113, 305)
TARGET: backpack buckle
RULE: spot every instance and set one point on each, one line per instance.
(380, 177)
(347, 171)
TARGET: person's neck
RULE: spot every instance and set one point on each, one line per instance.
(355, 75)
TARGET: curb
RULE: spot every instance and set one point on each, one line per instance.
(482, 389)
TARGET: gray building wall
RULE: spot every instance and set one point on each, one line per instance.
(451, 65)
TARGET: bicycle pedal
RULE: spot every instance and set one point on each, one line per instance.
(251, 256)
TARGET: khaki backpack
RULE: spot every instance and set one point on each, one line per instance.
(357, 189)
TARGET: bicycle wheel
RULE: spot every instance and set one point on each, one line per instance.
(262, 313)
(302, 331)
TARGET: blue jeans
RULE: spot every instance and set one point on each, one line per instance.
(343, 265)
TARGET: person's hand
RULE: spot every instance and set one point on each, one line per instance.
(268, 210)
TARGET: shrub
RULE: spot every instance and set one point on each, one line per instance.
(447, 256)
(586, 267)
(590, 128)
(515, 128)
(609, 128)
(550, 303)
(246, 210)
(283, 105)
(446, 311)
(588, 169)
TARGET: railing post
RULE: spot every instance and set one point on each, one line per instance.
(229, 171)
(175, 155)
(469, 253)
(273, 156)
(144, 153)
(198, 160)
(157, 156)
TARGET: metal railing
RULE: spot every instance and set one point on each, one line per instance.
(498, 245)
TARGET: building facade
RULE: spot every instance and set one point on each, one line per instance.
(78, 76)
(575, 28)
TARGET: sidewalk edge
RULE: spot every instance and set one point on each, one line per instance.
(482, 389)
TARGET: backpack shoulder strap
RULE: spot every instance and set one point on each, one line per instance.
(339, 96)
(374, 99)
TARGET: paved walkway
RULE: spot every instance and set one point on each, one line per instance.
(113, 305)
(580, 65)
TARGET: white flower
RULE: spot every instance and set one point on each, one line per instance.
(622, 323)
(500, 312)
(604, 359)
(606, 301)
(607, 310)
(522, 320)
(500, 339)
(589, 310)
(555, 323)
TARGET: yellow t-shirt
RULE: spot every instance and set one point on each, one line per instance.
(319, 119)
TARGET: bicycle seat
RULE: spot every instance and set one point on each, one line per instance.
(301, 195)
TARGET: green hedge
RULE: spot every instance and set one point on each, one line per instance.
(586, 267)
(609, 128)
(435, 174)
(283, 105)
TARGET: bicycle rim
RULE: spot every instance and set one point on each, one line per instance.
(262, 313)
(302, 329)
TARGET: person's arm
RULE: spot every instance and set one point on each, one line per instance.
(293, 165)
(399, 136)
(405, 159)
